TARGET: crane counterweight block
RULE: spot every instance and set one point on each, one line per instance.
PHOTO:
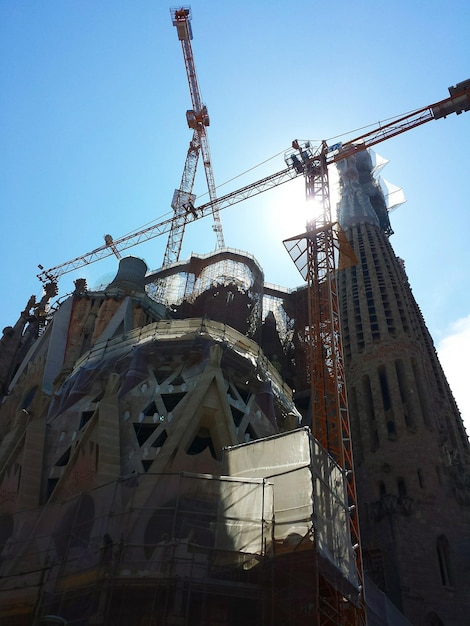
(459, 101)
(181, 18)
(459, 88)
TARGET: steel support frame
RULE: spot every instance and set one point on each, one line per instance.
(330, 418)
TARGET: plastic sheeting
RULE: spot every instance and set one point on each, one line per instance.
(245, 515)
(159, 525)
(309, 495)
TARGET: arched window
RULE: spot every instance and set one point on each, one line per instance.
(401, 487)
(381, 489)
(387, 402)
(443, 556)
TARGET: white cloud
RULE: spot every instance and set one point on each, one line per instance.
(454, 351)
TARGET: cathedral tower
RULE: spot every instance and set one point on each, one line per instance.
(411, 451)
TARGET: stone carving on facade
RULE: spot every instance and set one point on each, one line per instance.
(389, 505)
(459, 470)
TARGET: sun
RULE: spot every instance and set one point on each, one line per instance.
(287, 208)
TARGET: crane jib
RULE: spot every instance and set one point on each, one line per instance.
(458, 102)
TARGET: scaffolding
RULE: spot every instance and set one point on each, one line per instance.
(203, 550)
(151, 509)
(228, 286)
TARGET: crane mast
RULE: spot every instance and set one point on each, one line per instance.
(198, 120)
(314, 253)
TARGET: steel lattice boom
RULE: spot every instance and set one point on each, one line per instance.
(458, 102)
(198, 120)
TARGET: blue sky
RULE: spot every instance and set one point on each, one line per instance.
(93, 133)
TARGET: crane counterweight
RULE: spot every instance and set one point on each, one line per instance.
(459, 102)
(181, 18)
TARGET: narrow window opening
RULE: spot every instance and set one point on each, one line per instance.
(369, 410)
(357, 438)
(171, 400)
(160, 440)
(443, 556)
(151, 410)
(146, 465)
(161, 375)
(237, 416)
(384, 388)
(178, 380)
(244, 394)
(51, 483)
(421, 393)
(85, 418)
(403, 386)
(64, 459)
(401, 487)
(143, 432)
(200, 442)
(420, 479)
(120, 330)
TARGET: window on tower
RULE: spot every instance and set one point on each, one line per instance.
(401, 487)
(443, 556)
(381, 489)
(420, 479)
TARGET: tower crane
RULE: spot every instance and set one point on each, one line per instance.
(198, 120)
(297, 161)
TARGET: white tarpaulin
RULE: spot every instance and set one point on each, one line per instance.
(309, 493)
